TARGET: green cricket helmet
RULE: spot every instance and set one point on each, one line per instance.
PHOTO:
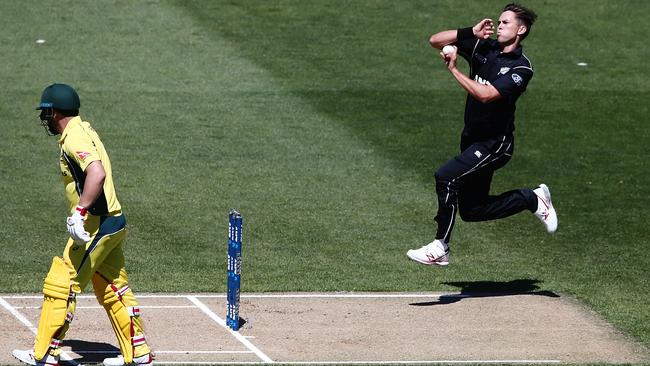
(61, 97)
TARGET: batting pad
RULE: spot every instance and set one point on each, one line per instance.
(59, 305)
(124, 314)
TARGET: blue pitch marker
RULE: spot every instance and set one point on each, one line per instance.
(234, 268)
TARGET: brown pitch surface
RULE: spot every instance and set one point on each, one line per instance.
(347, 327)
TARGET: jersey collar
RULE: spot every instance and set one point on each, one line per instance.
(73, 122)
(516, 53)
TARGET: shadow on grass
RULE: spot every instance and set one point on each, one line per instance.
(489, 289)
(91, 352)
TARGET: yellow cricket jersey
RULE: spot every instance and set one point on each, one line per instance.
(80, 146)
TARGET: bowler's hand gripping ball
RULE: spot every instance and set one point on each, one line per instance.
(448, 49)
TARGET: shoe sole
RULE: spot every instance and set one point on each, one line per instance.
(32, 364)
(23, 362)
(428, 263)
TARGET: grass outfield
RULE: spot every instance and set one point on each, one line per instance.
(323, 122)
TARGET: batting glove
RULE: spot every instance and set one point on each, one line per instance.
(76, 227)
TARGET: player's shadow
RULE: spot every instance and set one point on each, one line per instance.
(242, 321)
(91, 352)
(489, 289)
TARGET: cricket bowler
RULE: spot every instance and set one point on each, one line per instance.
(94, 250)
(499, 73)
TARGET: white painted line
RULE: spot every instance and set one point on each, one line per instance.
(306, 295)
(64, 355)
(437, 362)
(200, 352)
(21, 318)
(137, 296)
(161, 307)
(237, 335)
(348, 296)
(165, 352)
(424, 362)
(102, 308)
(107, 352)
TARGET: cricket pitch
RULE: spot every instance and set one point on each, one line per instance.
(341, 328)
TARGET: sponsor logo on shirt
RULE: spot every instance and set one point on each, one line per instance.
(503, 70)
(480, 80)
(82, 155)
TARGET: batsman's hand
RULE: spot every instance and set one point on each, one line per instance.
(484, 29)
(76, 223)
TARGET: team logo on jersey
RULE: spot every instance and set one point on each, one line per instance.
(503, 70)
(82, 155)
(517, 79)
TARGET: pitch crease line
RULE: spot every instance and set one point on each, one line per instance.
(435, 362)
(102, 308)
(348, 296)
(202, 352)
(237, 335)
(21, 318)
(166, 352)
(171, 296)
(306, 295)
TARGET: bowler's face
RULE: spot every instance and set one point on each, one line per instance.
(508, 27)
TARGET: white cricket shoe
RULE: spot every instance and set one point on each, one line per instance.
(436, 252)
(27, 357)
(545, 211)
(119, 360)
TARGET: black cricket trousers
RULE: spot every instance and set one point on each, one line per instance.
(463, 186)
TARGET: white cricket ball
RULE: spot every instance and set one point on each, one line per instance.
(448, 49)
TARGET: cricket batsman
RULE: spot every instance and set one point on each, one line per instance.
(499, 74)
(94, 251)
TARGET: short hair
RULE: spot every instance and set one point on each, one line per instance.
(523, 14)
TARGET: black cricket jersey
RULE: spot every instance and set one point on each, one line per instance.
(509, 73)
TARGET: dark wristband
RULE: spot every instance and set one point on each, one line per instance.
(465, 33)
